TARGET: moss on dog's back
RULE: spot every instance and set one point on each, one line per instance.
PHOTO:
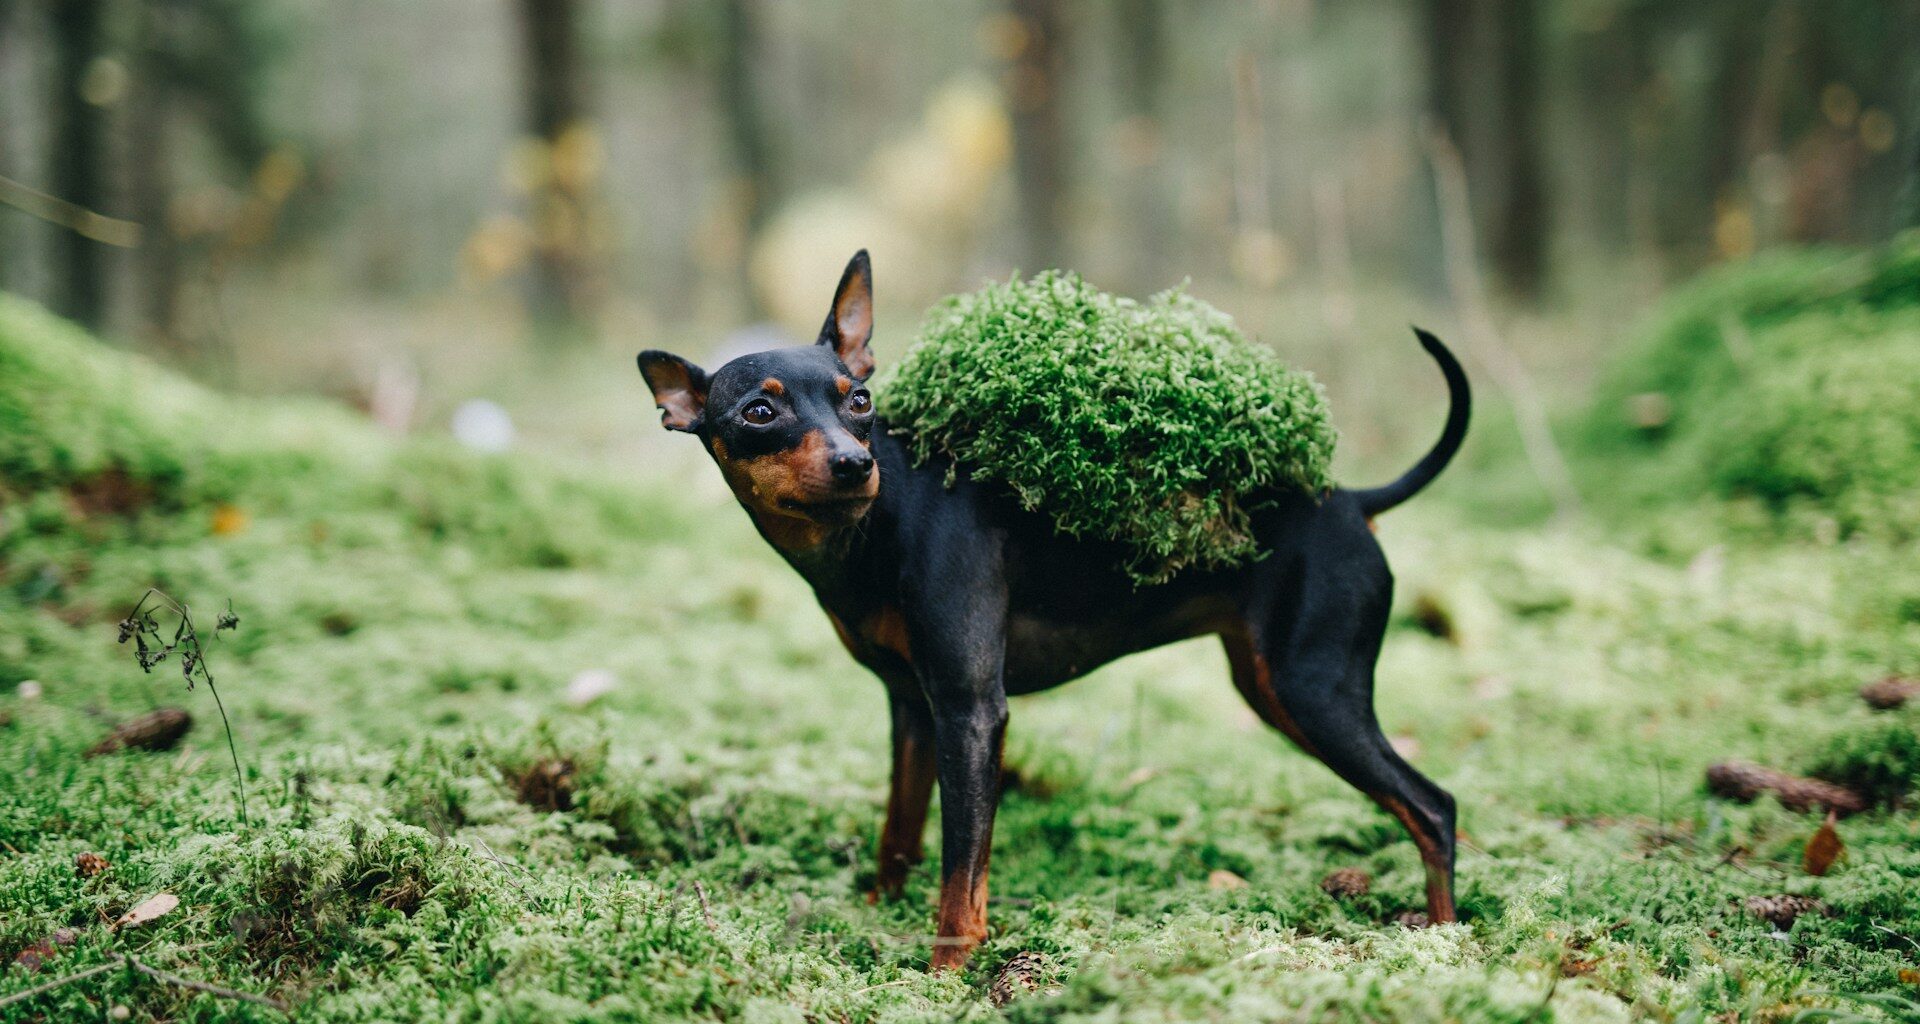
(1152, 423)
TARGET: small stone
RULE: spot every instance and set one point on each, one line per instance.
(29, 689)
(591, 685)
(1224, 879)
(1890, 693)
(120, 1012)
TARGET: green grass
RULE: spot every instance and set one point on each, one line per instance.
(411, 616)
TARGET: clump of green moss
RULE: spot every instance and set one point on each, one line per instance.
(1154, 424)
(1786, 382)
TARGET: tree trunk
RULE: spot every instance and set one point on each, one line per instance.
(1143, 72)
(1517, 244)
(77, 172)
(749, 133)
(150, 178)
(12, 238)
(1484, 94)
(1039, 151)
(562, 293)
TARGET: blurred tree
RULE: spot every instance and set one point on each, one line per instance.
(1143, 55)
(1039, 147)
(750, 135)
(1485, 92)
(84, 80)
(564, 293)
(202, 65)
(12, 248)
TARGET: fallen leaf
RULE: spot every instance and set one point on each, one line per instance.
(1141, 776)
(228, 521)
(155, 907)
(1224, 879)
(1823, 849)
(36, 956)
(1909, 976)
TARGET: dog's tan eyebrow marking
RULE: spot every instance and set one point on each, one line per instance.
(773, 387)
(843, 384)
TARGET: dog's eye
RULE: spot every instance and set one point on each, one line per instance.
(759, 413)
(860, 402)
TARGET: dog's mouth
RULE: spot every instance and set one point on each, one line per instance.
(840, 511)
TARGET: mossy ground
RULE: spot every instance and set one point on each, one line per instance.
(411, 617)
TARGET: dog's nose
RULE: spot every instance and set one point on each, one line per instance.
(852, 467)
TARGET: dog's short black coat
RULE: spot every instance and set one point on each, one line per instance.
(957, 598)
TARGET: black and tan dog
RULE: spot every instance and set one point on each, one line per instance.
(957, 598)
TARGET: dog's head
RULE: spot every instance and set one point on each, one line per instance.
(790, 428)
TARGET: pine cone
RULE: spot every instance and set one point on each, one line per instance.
(1743, 781)
(1346, 883)
(88, 865)
(1782, 911)
(1890, 693)
(1018, 976)
(155, 730)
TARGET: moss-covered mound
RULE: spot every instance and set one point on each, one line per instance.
(1788, 382)
(1148, 423)
(88, 431)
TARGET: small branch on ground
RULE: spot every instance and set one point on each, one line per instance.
(1743, 781)
(160, 729)
(1483, 338)
(135, 963)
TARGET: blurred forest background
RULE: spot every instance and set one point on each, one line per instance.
(392, 202)
(552, 736)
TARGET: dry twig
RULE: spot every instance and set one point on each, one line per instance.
(1743, 781)
(137, 964)
(1470, 295)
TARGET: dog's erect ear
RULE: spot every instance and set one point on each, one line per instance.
(679, 389)
(850, 321)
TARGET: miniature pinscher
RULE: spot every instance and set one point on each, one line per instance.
(957, 598)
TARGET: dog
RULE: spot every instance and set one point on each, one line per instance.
(957, 598)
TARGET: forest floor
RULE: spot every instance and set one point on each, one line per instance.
(533, 742)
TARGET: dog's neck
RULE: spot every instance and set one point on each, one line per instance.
(823, 556)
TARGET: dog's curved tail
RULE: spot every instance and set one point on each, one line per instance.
(1375, 500)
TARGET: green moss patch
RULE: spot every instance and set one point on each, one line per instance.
(1787, 384)
(1154, 424)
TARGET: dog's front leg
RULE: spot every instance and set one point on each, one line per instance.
(902, 836)
(969, 728)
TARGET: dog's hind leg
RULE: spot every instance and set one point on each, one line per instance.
(1311, 677)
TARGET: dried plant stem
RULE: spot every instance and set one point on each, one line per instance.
(140, 625)
(48, 986)
(200, 986)
(1470, 295)
(239, 777)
